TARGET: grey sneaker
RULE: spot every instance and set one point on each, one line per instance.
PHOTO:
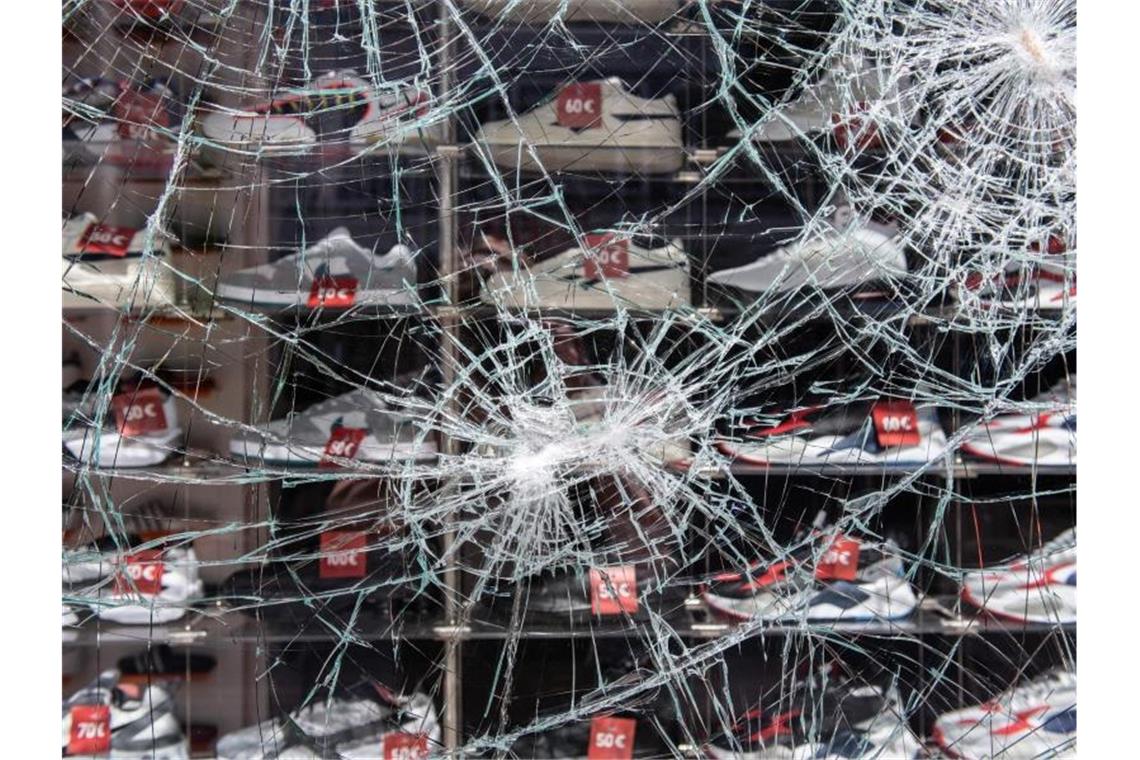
(359, 426)
(333, 273)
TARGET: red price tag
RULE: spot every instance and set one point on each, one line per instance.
(613, 590)
(90, 730)
(154, 9)
(140, 411)
(137, 112)
(855, 130)
(102, 238)
(840, 561)
(580, 105)
(399, 745)
(342, 444)
(606, 257)
(896, 423)
(343, 554)
(333, 292)
(611, 738)
(140, 573)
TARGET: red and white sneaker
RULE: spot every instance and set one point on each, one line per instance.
(1035, 720)
(1045, 437)
(1048, 283)
(1038, 588)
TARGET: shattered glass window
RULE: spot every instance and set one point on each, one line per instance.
(569, 378)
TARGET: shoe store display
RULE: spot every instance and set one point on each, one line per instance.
(336, 272)
(460, 379)
(590, 126)
(1035, 719)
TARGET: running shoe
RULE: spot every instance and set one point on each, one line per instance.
(599, 11)
(843, 254)
(356, 426)
(1047, 436)
(126, 125)
(848, 102)
(364, 724)
(1040, 587)
(112, 266)
(337, 107)
(140, 429)
(822, 718)
(108, 718)
(1037, 719)
(828, 578)
(642, 271)
(886, 432)
(588, 597)
(590, 126)
(132, 586)
(334, 273)
(1046, 282)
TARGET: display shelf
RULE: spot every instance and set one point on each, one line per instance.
(215, 625)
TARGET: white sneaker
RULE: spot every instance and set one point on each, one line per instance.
(118, 443)
(144, 587)
(1043, 282)
(335, 272)
(639, 272)
(1046, 437)
(341, 106)
(354, 729)
(1040, 587)
(844, 253)
(304, 438)
(599, 11)
(137, 722)
(114, 266)
(591, 126)
(849, 100)
(1035, 720)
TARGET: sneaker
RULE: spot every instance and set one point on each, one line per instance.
(139, 587)
(333, 273)
(108, 718)
(824, 718)
(848, 102)
(846, 253)
(337, 107)
(1045, 284)
(125, 125)
(598, 11)
(829, 578)
(1047, 437)
(139, 430)
(1034, 720)
(641, 272)
(567, 595)
(363, 725)
(887, 432)
(115, 266)
(1040, 587)
(359, 425)
(590, 126)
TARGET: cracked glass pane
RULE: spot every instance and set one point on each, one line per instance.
(569, 378)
